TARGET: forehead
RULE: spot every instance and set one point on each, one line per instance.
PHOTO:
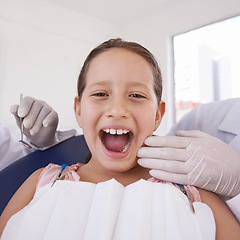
(120, 63)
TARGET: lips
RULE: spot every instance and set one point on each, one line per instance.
(116, 141)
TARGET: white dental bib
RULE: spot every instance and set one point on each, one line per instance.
(109, 211)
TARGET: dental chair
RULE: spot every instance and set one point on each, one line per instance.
(71, 151)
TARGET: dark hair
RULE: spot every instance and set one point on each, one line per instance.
(131, 46)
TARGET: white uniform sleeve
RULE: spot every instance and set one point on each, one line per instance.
(187, 122)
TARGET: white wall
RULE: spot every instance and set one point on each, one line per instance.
(42, 47)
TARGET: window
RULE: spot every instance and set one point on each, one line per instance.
(207, 65)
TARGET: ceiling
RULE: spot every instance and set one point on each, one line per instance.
(117, 12)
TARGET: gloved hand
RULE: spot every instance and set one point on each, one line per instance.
(39, 120)
(195, 158)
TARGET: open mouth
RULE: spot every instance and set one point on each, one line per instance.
(116, 140)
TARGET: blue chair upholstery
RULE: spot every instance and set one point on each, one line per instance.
(71, 151)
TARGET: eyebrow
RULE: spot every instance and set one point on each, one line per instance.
(106, 82)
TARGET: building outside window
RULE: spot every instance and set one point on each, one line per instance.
(207, 65)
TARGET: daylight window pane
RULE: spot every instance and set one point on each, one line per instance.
(206, 65)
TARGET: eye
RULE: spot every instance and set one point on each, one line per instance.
(136, 95)
(100, 94)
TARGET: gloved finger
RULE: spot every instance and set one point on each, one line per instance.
(170, 177)
(165, 165)
(32, 115)
(191, 134)
(44, 111)
(25, 106)
(14, 110)
(164, 153)
(167, 141)
(51, 119)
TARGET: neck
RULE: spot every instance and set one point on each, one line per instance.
(88, 173)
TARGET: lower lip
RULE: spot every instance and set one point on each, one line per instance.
(116, 155)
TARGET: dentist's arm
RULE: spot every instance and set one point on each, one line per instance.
(194, 158)
(40, 123)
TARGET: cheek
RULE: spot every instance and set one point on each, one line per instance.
(146, 117)
(86, 116)
(146, 124)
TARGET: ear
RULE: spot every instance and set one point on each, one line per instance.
(77, 110)
(159, 114)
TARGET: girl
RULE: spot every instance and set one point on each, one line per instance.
(112, 197)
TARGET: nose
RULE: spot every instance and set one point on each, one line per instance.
(117, 108)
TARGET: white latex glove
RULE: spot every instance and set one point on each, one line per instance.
(39, 120)
(195, 158)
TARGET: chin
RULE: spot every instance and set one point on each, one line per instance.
(119, 165)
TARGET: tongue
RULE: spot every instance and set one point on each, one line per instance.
(115, 143)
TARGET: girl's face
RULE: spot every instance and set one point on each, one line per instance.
(118, 109)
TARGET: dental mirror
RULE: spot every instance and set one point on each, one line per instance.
(25, 144)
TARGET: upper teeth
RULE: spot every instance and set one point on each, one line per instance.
(115, 131)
